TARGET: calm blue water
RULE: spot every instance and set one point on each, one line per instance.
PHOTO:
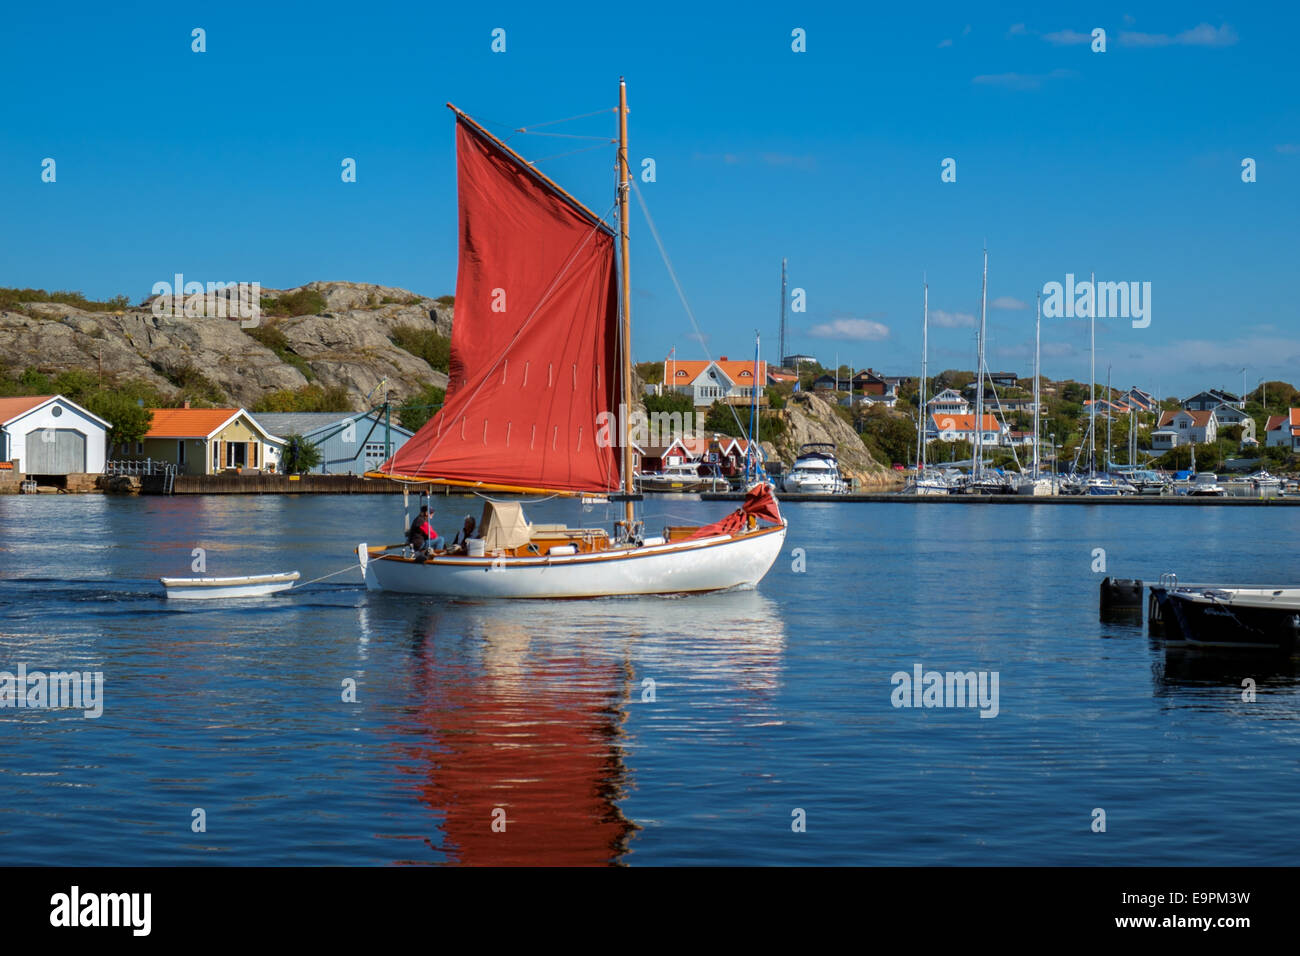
(764, 702)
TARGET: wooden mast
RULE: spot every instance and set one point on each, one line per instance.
(624, 184)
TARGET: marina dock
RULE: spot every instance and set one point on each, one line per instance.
(1107, 500)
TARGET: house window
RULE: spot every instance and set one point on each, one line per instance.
(216, 456)
(1182, 424)
(180, 453)
(139, 448)
(235, 451)
(374, 451)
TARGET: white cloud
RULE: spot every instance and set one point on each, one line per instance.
(786, 159)
(1067, 37)
(1019, 81)
(1009, 302)
(857, 330)
(952, 320)
(1201, 35)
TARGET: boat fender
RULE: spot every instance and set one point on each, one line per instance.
(1120, 593)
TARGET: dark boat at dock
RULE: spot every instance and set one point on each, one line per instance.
(1228, 618)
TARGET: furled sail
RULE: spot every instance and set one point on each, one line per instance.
(535, 371)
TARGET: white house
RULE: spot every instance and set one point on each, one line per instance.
(948, 402)
(1284, 430)
(1184, 428)
(50, 435)
(1230, 415)
(1211, 399)
(710, 381)
(962, 428)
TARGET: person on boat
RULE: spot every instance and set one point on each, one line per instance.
(421, 535)
(464, 534)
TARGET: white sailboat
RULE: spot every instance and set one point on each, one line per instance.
(538, 403)
(925, 481)
(1036, 485)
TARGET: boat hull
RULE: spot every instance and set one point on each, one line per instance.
(1197, 619)
(1036, 487)
(210, 589)
(682, 567)
(658, 485)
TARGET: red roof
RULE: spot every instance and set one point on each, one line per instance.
(13, 407)
(1199, 419)
(685, 371)
(962, 423)
(188, 422)
(1274, 421)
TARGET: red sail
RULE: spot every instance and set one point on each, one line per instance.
(535, 369)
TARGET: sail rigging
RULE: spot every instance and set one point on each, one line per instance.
(535, 375)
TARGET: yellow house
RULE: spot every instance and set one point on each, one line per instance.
(205, 441)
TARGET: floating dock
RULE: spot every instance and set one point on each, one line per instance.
(886, 497)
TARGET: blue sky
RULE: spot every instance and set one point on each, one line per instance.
(225, 165)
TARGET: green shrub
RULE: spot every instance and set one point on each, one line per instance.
(308, 398)
(299, 302)
(424, 343)
(11, 299)
(420, 407)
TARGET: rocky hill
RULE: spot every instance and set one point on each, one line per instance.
(346, 344)
(810, 418)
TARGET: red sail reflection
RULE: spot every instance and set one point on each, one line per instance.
(538, 739)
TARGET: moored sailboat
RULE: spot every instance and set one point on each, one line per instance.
(537, 402)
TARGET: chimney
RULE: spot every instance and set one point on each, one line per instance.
(185, 404)
(723, 359)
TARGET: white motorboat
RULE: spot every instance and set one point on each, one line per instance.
(928, 482)
(1266, 484)
(1206, 485)
(208, 589)
(537, 405)
(1105, 485)
(1036, 487)
(684, 477)
(815, 472)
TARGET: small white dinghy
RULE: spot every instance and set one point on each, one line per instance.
(207, 589)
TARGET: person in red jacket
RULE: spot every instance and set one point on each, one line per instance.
(421, 534)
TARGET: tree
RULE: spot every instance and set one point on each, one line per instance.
(299, 455)
(721, 419)
(128, 422)
(651, 373)
(891, 438)
(671, 402)
(419, 408)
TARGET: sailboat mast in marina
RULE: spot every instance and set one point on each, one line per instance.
(925, 356)
(539, 400)
(1038, 338)
(977, 467)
